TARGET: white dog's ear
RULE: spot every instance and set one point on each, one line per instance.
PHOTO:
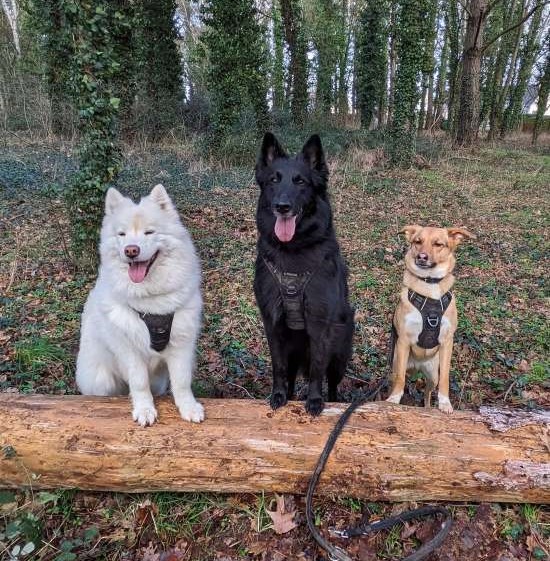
(410, 231)
(112, 200)
(160, 196)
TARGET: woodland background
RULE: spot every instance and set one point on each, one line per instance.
(429, 112)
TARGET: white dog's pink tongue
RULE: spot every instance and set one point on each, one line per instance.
(138, 270)
(285, 227)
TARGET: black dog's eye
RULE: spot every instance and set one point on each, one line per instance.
(299, 180)
(149, 232)
(275, 179)
(122, 233)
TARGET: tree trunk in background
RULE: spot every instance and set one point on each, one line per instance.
(392, 62)
(441, 79)
(544, 90)
(453, 25)
(372, 40)
(411, 32)
(495, 89)
(429, 40)
(469, 102)
(512, 114)
(278, 72)
(298, 66)
(430, 105)
(509, 46)
(160, 90)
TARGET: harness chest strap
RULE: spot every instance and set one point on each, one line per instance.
(432, 311)
(159, 327)
(291, 286)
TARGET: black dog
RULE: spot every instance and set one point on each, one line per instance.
(301, 279)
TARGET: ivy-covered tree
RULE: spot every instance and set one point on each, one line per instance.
(413, 24)
(296, 40)
(47, 19)
(158, 61)
(528, 54)
(235, 45)
(371, 59)
(543, 90)
(428, 66)
(326, 32)
(468, 114)
(505, 64)
(278, 60)
(92, 29)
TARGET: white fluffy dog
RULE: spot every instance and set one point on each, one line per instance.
(141, 321)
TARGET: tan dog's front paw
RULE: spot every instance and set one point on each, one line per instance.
(444, 404)
(145, 415)
(192, 411)
(395, 398)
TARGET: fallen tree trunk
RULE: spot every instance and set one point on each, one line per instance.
(385, 452)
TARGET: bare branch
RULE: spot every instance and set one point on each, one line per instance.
(517, 24)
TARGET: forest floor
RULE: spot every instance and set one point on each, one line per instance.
(498, 191)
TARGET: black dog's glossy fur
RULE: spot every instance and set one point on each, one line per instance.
(298, 187)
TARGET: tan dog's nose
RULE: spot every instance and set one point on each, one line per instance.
(131, 251)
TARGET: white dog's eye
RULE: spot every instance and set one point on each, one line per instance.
(122, 233)
(149, 232)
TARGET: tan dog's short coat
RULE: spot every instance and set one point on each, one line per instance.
(429, 263)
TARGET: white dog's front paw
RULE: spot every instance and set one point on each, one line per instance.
(144, 415)
(395, 398)
(191, 410)
(444, 404)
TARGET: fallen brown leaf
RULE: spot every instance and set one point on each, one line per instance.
(283, 521)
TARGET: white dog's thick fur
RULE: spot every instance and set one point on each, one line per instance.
(115, 355)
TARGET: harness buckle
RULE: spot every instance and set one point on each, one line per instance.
(291, 290)
(433, 321)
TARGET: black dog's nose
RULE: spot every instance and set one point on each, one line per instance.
(283, 208)
(131, 250)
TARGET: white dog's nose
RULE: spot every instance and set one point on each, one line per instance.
(131, 250)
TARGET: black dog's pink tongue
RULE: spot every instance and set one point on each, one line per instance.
(285, 227)
(138, 270)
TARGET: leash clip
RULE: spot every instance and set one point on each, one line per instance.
(339, 533)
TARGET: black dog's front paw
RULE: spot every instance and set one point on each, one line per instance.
(314, 405)
(278, 399)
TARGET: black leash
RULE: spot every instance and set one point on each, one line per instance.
(364, 528)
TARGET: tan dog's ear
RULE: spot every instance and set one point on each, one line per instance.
(458, 235)
(411, 231)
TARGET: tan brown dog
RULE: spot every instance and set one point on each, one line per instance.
(425, 319)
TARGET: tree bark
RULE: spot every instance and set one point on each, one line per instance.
(385, 452)
(297, 46)
(468, 111)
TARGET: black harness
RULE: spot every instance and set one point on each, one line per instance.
(432, 311)
(159, 327)
(291, 286)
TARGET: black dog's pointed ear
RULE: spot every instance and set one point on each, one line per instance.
(271, 150)
(314, 155)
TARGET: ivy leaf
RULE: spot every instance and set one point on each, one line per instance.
(115, 102)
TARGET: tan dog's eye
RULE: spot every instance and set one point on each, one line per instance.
(417, 242)
(439, 244)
